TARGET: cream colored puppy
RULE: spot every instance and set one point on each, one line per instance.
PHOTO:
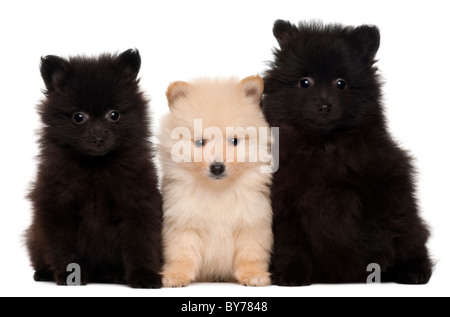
(215, 156)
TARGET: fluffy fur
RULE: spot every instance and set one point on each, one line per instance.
(343, 196)
(95, 199)
(216, 226)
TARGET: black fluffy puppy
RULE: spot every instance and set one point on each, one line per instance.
(343, 196)
(95, 199)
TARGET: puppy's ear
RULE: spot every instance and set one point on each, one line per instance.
(252, 87)
(54, 70)
(176, 90)
(365, 40)
(130, 60)
(282, 30)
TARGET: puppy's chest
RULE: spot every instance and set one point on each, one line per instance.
(327, 189)
(324, 179)
(325, 164)
(97, 205)
(218, 249)
(98, 215)
(97, 191)
(98, 199)
(217, 223)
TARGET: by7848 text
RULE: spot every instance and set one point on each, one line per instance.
(235, 306)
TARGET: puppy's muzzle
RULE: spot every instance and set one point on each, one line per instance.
(325, 109)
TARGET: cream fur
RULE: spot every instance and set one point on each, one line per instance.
(215, 230)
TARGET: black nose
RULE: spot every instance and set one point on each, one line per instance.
(97, 141)
(217, 169)
(324, 110)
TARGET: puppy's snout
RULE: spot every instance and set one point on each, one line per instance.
(324, 109)
(217, 169)
(99, 137)
(97, 141)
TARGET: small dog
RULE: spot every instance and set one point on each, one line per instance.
(216, 208)
(343, 196)
(95, 199)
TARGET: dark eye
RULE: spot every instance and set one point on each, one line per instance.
(80, 117)
(341, 84)
(114, 115)
(199, 143)
(305, 82)
(234, 141)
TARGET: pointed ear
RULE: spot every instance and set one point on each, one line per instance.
(53, 71)
(252, 87)
(130, 60)
(365, 40)
(176, 90)
(282, 30)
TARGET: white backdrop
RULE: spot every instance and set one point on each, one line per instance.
(180, 40)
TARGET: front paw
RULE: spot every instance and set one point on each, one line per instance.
(290, 279)
(43, 275)
(254, 279)
(144, 279)
(413, 276)
(175, 279)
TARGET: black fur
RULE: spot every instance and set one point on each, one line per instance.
(95, 199)
(343, 196)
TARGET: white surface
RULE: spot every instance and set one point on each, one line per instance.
(180, 40)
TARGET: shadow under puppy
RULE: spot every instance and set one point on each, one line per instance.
(216, 208)
(344, 194)
(95, 199)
